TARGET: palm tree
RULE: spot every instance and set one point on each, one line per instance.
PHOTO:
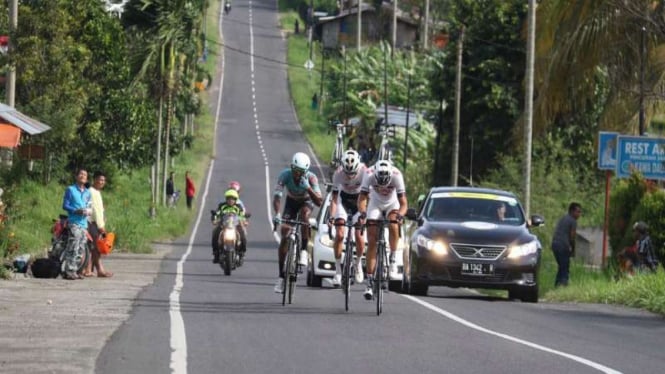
(170, 25)
(581, 41)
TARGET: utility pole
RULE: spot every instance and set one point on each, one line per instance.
(426, 31)
(385, 86)
(643, 56)
(10, 86)
(528, 105)
(311, 28)
(458, 107)
(392, 52)
(406, 130)
(360, 25)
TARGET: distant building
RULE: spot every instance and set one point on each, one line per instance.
(342, 29)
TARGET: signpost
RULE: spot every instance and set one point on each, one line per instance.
(643, 154)
(607, 146)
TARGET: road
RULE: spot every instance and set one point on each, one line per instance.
(193, 319)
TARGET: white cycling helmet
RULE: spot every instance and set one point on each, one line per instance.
(350, 162)
(383, 172)
(300, 162)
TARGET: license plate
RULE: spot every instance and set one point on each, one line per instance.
(477, 269)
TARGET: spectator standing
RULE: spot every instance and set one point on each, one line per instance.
(190, 190)
(77, 202)
(645, 251)
(170, 191)
(563, 242)
(97, 225)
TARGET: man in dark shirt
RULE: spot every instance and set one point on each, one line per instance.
(563, 242)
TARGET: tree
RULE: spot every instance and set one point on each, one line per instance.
(581, 38)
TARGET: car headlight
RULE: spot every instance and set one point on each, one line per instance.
(325, 240)
(522, 250)
(229, 235)
(435, 246)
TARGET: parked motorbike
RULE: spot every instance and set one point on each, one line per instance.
(228, 241)
(59, 238)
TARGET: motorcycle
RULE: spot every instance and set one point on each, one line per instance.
(60, 237)
(228, 241)
(227, 8)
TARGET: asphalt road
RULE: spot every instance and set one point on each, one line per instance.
(193, 319)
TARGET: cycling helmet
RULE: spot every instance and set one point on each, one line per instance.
(300, 162)
(641, 227)
(350, 161)
(235, 185)
(383, 172)
(231, 193)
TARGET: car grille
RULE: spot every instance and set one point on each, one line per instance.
(476, 252)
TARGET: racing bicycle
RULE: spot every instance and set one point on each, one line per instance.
(293, 242)
(348, 268)
(382, 268)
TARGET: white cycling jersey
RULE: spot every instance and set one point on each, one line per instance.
(348, 184)
(383, 194)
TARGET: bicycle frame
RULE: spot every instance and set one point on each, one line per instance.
(381, 268)
(294, 241)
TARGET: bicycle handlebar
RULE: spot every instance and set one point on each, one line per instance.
(289, 222)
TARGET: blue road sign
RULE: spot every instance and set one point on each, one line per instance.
(643, 154)
(607, 150)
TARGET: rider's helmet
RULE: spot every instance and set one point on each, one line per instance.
(231, 194)
(300, 162)
(350, 161)
(383, 172)
(641, 227)
(235, 185)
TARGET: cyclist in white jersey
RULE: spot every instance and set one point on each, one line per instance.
(383, 186)
(344, 201)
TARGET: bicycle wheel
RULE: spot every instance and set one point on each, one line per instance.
(346, 273)
(288, 261)
(379, 276)
(292, 273)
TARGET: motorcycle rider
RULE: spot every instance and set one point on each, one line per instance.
(346, 187)
(302, 193)
(227, 7)
(228, 206)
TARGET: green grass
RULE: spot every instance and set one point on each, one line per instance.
(645, 291)
(303, 84)
(127, 197)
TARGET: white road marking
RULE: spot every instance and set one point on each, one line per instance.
(178, 335)
(472, 325)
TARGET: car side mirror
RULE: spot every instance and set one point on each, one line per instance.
(537, 220)
(411, 214)
(313, 224)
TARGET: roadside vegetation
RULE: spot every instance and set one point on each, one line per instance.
(564, 153)
(102, 87)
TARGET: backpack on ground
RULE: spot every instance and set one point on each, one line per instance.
(45, 268)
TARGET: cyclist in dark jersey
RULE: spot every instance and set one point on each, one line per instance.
(302, 193)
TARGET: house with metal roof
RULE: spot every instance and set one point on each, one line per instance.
(341, 29)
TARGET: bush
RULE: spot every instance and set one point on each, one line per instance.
(624, 199)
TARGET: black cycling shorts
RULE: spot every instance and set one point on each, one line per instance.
(293, 206)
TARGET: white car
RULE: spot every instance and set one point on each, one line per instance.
(322, 257)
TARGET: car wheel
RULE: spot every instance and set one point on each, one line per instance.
(525, 294)
(418, 289)
(529, 294)
(313, 280)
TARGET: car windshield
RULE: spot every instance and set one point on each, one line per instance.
(466, 206)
